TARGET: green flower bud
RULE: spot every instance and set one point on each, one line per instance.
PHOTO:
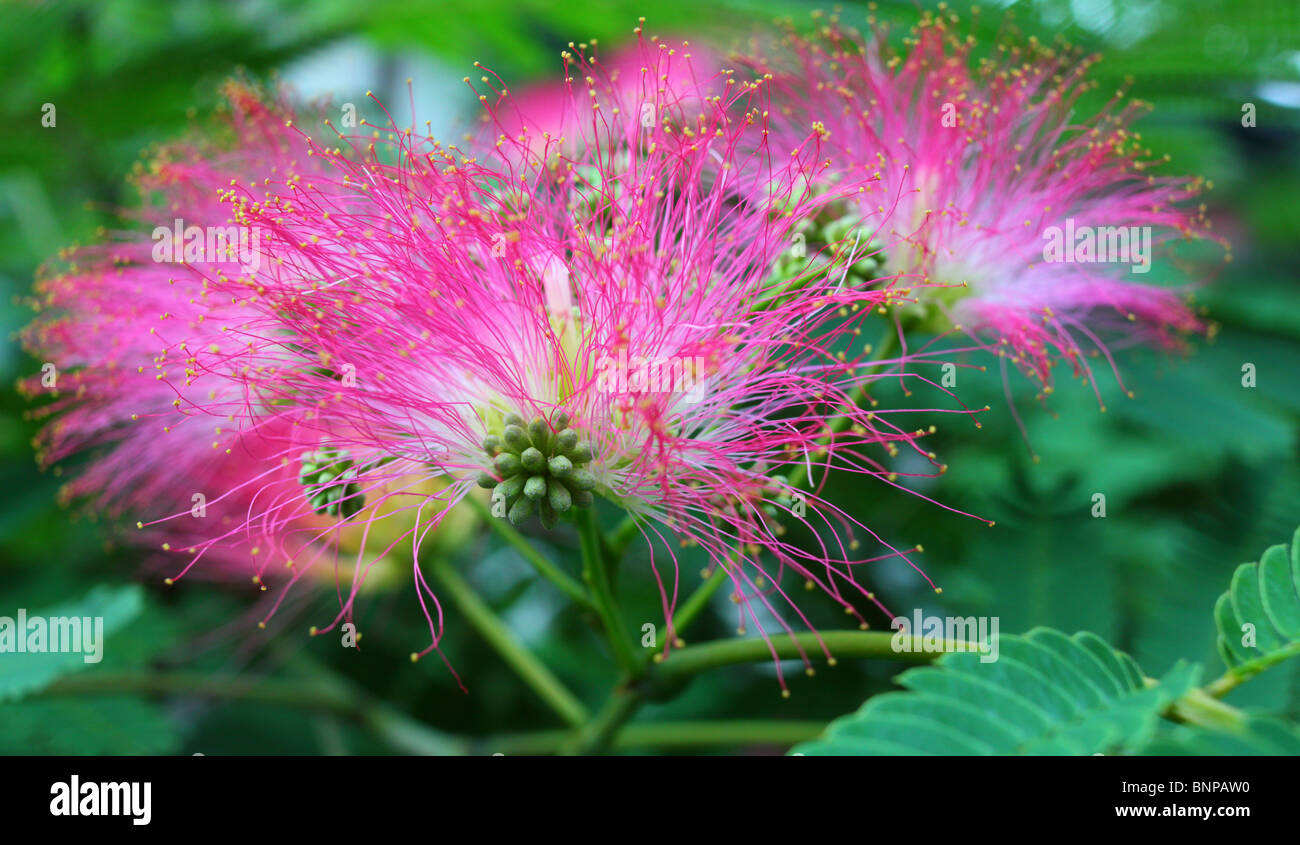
(535, 487)
(533, 460)
(581, 453)
(511, 487)
(547, 514)
(559, 498)
(560, 466)
(486, 481)
(566, 440)
(540, 433)
(581, 480)
(514, 439)
(507, 464)
(520, 510)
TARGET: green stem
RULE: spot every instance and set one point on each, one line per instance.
(489, 625)
(610, 725)
(598, 734)
(1198, 707)
(596, 574)
(544, 567)
(1238, 675)
(404, 733)
(692, 660)
(605, 729)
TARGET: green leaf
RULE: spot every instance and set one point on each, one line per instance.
(1046, 693)
(22, 673)
(1259, 616)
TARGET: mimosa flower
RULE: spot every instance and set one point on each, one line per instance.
(986, 168)
(147, 380)
(560, 327)
(597, 317)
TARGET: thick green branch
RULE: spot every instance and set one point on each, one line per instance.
(598, 734)
(692, 660)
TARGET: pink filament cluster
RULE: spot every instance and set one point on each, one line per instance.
(976, 158)
(410, 294)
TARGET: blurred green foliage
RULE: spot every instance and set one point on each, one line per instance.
(1199, 472)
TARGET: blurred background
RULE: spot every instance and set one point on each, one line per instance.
(1199, 473)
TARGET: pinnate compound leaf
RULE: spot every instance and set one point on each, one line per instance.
(1259, 616)
(1046, 693)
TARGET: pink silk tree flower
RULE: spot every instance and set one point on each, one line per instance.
(1034, 226)
(146, 377)
(556, 326)
(127, 328)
